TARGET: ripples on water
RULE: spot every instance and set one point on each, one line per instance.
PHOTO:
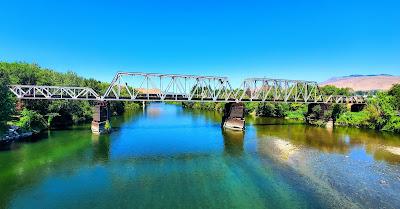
(168, 157)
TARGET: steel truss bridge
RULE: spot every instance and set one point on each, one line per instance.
(133, 86)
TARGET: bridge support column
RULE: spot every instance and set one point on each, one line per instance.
(100, 122)
(355, 107)
(323, 107)
(316, 115)
(233, 116)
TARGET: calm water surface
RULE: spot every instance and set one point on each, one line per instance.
(168, 157)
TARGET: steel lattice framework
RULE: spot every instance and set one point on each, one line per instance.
(54, 92)
(127, 86)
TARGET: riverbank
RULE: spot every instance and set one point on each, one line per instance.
(12, 134)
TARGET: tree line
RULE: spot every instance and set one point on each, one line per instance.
(41, 114)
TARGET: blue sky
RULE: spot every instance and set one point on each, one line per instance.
(312, 40)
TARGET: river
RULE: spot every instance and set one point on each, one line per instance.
(169, 157)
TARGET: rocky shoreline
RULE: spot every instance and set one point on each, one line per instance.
(13, 134)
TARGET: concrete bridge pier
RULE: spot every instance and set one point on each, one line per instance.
(355, 107)
(318, 114)
(323, 107)
(101, 116)
(233, 117)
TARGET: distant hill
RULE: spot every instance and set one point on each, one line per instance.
(364, 82)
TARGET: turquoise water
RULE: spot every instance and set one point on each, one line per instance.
(168, 157)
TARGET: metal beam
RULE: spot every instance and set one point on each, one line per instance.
(136, 86)
(53, 92)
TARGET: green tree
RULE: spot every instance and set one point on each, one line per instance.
(337, 110)
(395, 92)
(7, 103)
(333, 90)
(31, 121)
(380, 109)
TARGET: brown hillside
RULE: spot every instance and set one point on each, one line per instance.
(364, 83)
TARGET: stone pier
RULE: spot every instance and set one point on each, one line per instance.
(323, 107)
(233, 116)
(317, 114)
(355, 107)
(100, 122)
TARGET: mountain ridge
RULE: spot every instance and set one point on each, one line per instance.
(364, 82)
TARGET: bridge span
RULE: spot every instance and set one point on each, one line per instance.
(127, 86)
(151, 87)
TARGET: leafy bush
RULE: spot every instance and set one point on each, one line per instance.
(31, 121)
(395, 92)
(379, 114)
(295, 115)
(380, 109)
(132, 106)
(107, 126)
(333, 90)
(251, 107)
(393, 125)
(265, 109)
(337, 110)
(281, 110)
(356, 119)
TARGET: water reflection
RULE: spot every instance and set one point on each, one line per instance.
(101, 148)
(233, 142)
(212, 116)
(382, 146)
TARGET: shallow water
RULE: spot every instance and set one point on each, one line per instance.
(168, 157)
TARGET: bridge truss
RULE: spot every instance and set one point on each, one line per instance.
(53, 92)
(127, 86)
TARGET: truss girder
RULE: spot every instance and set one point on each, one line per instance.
(127, 86)
(53, 92)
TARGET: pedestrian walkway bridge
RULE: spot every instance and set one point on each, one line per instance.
(133, 86)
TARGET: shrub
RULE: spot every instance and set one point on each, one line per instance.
(132, 106)
(107, 126)
(356, 119)
(380, 110)
(31, 121)
(281, 110)
(337, 110)
(393, 125)
(251, 107)
(265, 109)
(333, 90)
(295, 115)
(395, 92)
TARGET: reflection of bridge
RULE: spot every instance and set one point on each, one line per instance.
(189, 88)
